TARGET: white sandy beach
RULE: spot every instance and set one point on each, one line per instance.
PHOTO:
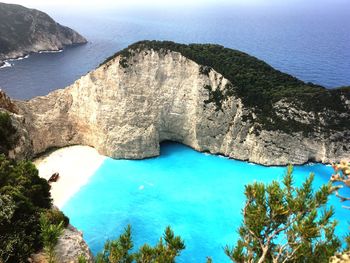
(75, 165)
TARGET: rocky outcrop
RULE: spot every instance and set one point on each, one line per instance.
(17, 143)
(130, 104)
(341, 258)
(23, 31)
(69, 248)
(6, 103)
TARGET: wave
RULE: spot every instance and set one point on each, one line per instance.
(50, 51)
(15, 59)
(6, 65)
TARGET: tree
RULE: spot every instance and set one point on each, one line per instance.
(118, 251)
(50, 234)
(341, 175)
(7, 133)
(23, 196)
(286, 223)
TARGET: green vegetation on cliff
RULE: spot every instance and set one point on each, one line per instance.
(24, 199)
(7, 133)
(258, 84)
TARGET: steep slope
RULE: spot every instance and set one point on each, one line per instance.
(148, 94)
(24, 30)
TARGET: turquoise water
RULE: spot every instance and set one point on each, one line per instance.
(199, 195)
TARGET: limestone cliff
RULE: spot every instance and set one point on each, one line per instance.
(130, 104)
(23, 31)
(69, 248)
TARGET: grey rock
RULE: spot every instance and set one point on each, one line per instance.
(23, 31)
(69, 248)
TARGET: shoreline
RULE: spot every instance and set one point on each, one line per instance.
(75, 165)
(5, 63)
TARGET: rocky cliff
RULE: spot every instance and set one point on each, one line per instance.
(145, 95)
(69, 248)
(23, 31)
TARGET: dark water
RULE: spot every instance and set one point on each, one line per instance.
(313, 46)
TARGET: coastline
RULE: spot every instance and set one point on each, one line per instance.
(5, 63)
(75, 165)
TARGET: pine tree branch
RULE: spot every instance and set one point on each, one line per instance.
(288, 257)
(245, 223)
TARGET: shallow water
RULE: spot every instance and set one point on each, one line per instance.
(199, 195)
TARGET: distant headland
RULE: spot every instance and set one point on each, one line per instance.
(31, 31)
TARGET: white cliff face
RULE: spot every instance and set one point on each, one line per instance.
(126, 107)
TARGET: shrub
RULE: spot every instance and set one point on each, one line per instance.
(7, 133)
(55, 217)
(24, 195)
(49, 235)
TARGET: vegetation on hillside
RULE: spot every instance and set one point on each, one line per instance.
(286, 224)
(257, 83)
(7, 133)
(24, 199)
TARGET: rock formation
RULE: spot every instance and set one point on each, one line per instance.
(130, 104)
(23, 31)
(22, 146)
(69, 248)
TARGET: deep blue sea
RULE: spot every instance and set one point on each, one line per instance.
(199, 195)
(311, 44)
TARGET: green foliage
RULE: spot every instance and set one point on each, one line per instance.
(49, 235)
(55, 217)
(286, 224)
(118, 251)
(7, 133)
(258, 84)
(23, 195)
(124, 63)
(82, 259)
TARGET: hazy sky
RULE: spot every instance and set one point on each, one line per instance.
(120, 3)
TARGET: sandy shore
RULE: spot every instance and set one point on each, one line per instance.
(75, 165)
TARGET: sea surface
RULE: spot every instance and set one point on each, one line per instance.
(200, 196)
(310, 44)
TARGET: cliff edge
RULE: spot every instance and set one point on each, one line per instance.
(229, 103)
(23, 31)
